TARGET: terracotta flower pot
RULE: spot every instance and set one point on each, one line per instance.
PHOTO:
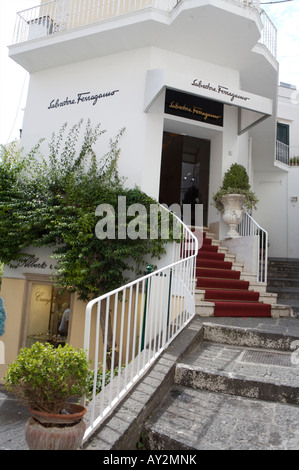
(46, 431)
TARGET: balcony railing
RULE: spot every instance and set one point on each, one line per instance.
(65, 15)
(60, 15)
(269, 34)
(289, 155)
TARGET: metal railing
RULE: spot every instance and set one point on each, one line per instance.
(289, 155)
(249, 228)
(60, 15)
(128, 328)
(282, 152)
(269, 34)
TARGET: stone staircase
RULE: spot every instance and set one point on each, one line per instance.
(236, 389)
(257, 292)
(283, 280)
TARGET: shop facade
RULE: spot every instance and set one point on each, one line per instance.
(191, 104)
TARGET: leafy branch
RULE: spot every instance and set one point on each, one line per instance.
(51, 201)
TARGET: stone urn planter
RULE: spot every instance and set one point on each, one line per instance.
(233, 195)
(233, 212)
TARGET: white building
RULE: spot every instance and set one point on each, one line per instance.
(159, 68)
(195, 84)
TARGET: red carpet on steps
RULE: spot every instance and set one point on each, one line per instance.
(223, 286)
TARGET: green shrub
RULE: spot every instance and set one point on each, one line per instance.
(235, 181)
(236, 178)
(44, 377)
(51, 201)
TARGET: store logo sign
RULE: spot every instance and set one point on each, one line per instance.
(84, 97)
(194, 107)
(220, 90)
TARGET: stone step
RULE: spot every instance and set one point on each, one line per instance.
(283, 275)
(237, 389)
(293, 304)
(266, 297)
(281, 262)
(283, 282)
(194, 420)
(264, 374)
(286, 292)
(204, 308)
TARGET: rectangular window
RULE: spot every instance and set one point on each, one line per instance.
(283, 133)
(48, 314)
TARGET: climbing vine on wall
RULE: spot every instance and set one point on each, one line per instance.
(51, 200)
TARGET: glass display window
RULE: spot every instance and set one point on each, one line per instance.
(48, 314)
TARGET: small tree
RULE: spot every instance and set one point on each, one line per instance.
(235, 181)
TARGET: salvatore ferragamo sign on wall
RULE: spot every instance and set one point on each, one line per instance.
(220, 90)
(83, 97)
(193, 107)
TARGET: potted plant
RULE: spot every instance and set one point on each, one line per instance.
(294, 161)
(45, 379)
(233, 196)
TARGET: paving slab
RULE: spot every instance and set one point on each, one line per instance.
(228, 396)
(13, 416)
(201, 420)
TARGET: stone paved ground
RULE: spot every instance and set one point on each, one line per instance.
(202, 420)
(13, 417)
(275, 424)
(259, 407)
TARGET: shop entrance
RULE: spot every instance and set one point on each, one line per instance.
(185, 167)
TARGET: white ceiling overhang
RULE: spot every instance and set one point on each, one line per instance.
(252, 108)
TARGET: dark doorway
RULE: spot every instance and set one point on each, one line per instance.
(185, 169)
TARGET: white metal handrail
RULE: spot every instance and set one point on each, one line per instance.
(249, 227)
(128, 328)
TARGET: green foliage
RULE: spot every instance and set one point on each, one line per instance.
(109, 374)
(52, 201)
(236, 177)
(235, 181)
(44, 377)
(294, 161)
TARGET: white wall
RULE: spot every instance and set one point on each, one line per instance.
(140, 156)
(125, 72)
(293, 213)
(272, 191)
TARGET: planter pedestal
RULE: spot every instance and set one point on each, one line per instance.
(233, 213)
